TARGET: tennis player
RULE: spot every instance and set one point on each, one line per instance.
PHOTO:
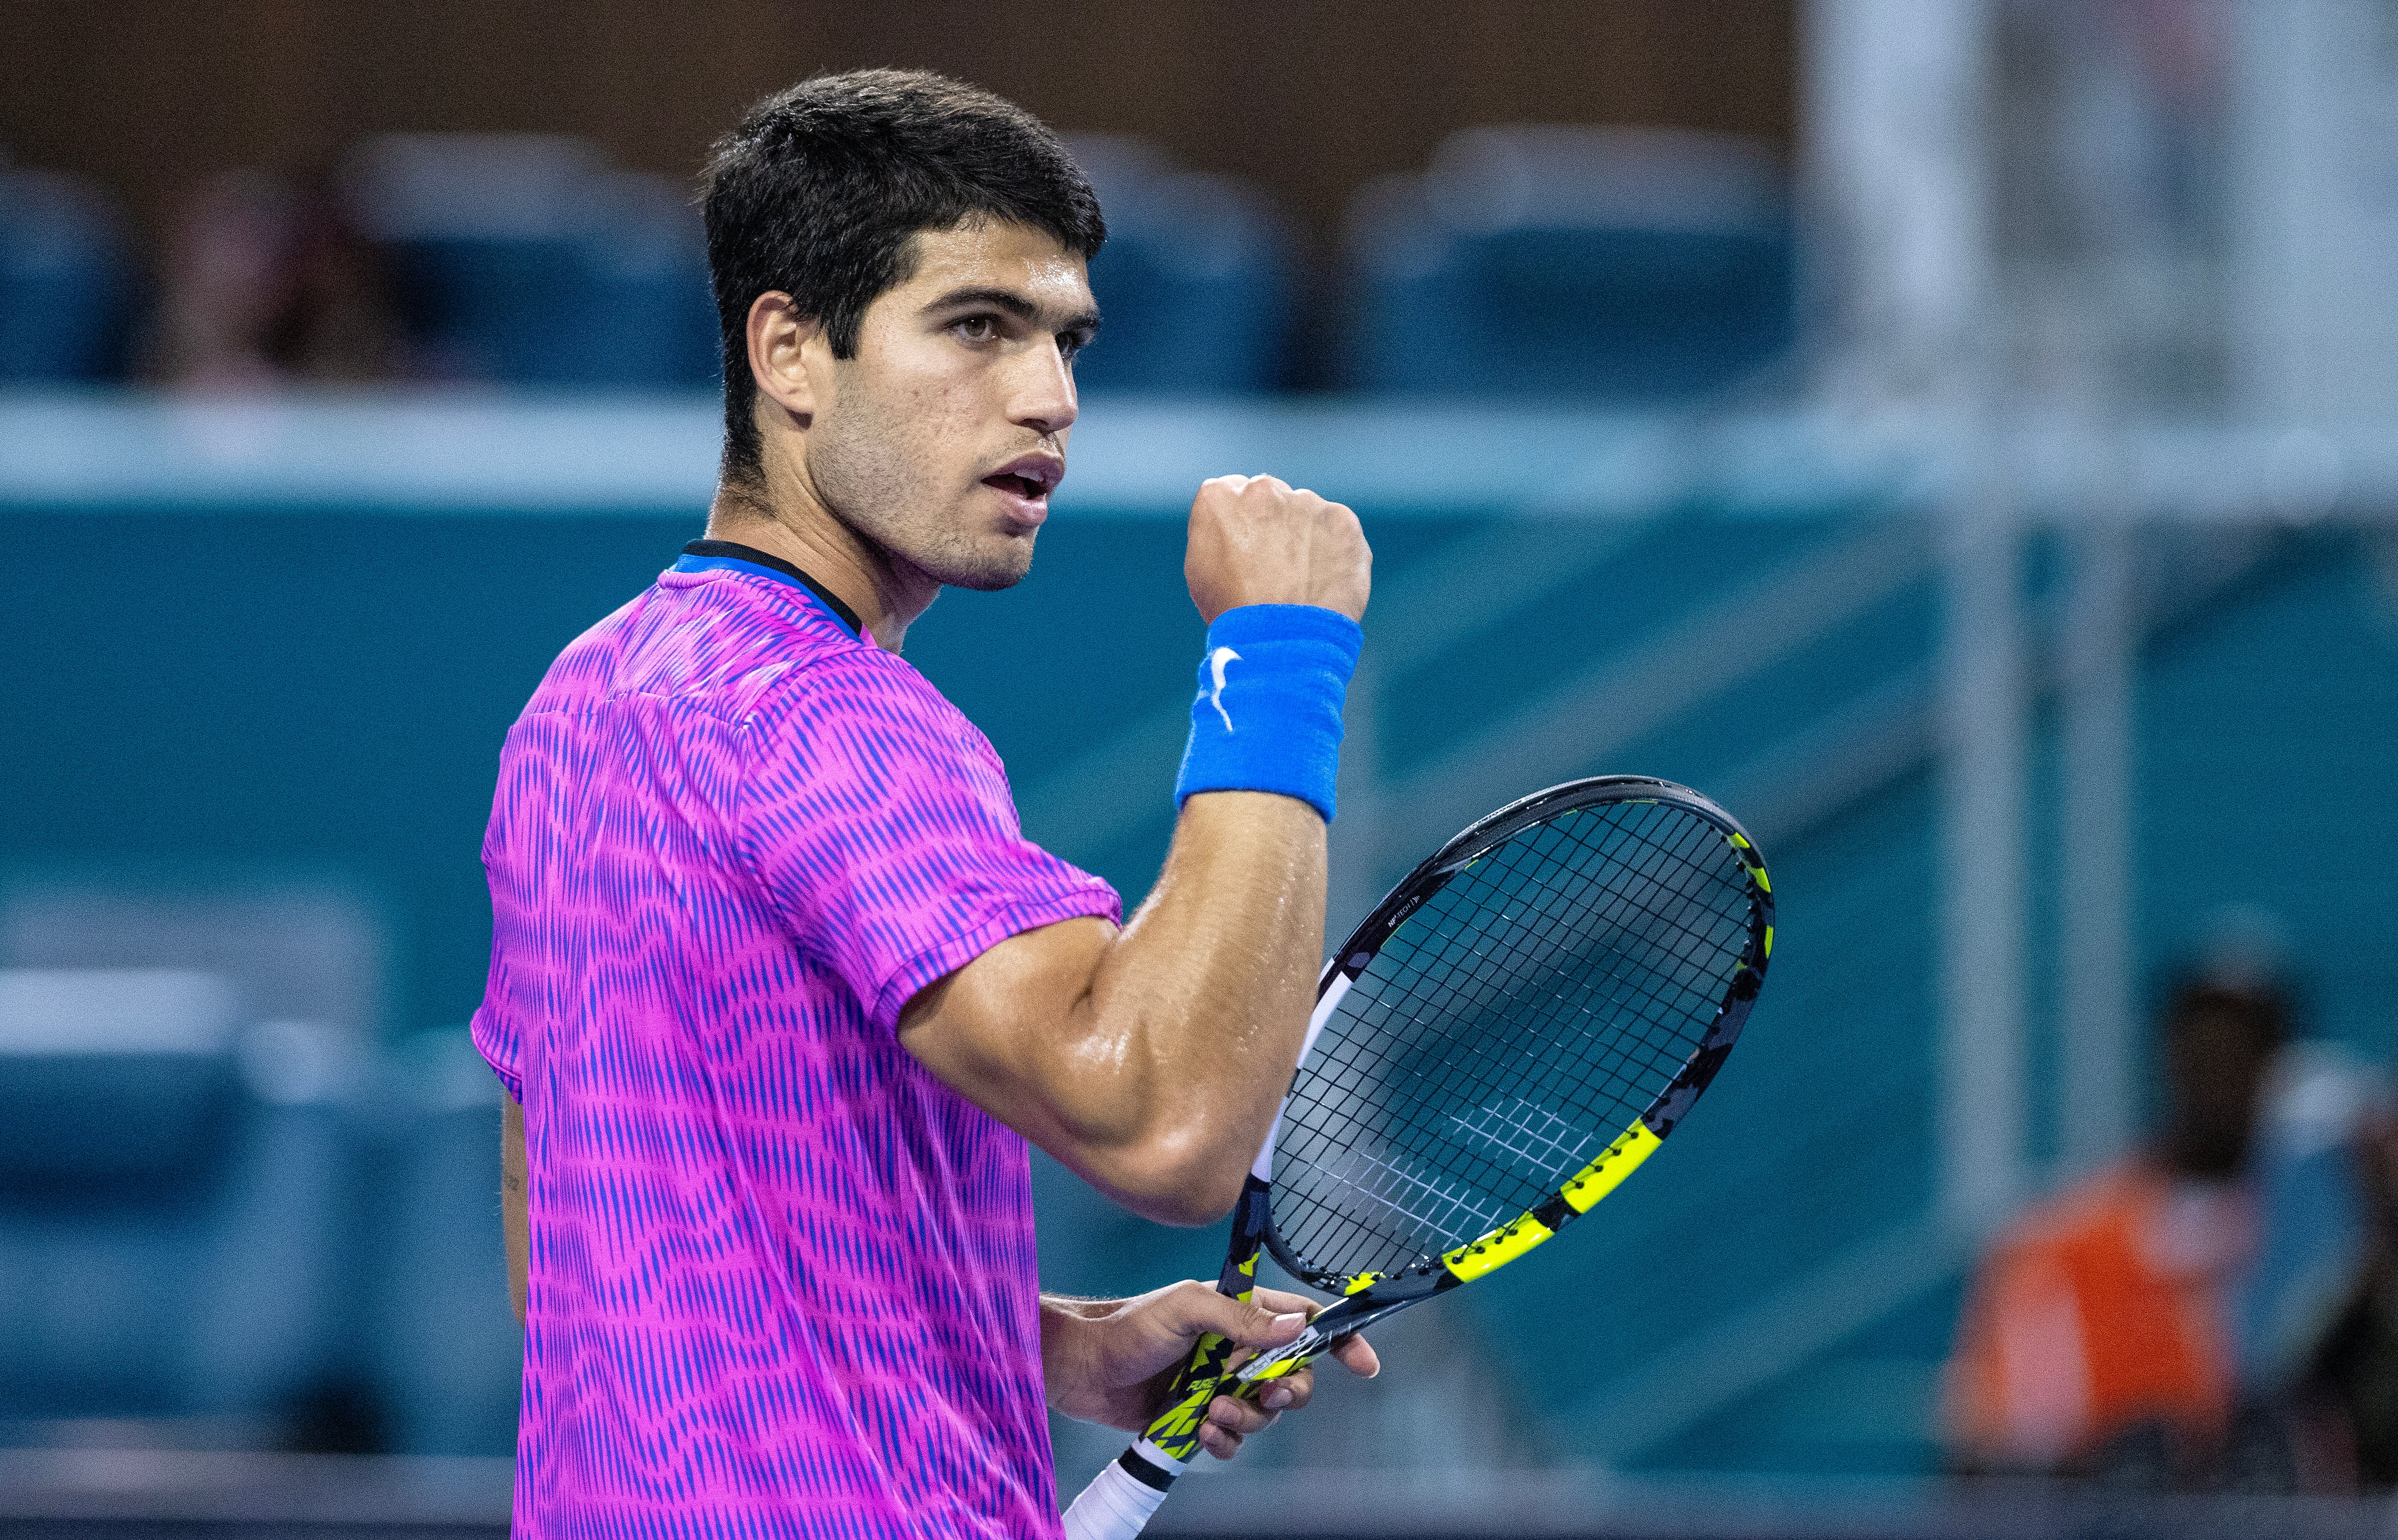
(778, 989)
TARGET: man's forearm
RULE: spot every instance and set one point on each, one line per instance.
(1203, 997)
(1150, 1061)
(1063, 1316)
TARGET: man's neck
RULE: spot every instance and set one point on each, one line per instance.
(887, 593)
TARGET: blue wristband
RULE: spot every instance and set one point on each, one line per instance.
(1267, 714)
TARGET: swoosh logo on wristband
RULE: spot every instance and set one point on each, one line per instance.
(1216, 662)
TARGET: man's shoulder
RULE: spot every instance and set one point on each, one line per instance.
(716, 641)
(859, 681)
(866, 717)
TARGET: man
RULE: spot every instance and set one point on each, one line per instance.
(778, 989)
(2097, 1336)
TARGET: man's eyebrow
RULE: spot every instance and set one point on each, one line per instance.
(1015, 304)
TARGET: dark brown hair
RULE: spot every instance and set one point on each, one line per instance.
(820, 191)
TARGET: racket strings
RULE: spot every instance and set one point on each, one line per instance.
(1512, 1027)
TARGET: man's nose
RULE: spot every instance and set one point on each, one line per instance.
(1045, 397)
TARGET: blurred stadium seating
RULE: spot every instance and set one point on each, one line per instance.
(175, 1204)
(1602, 264)
(525, 259)
(1608, 264)
(1195, 280)
(230, 1227)
(444, 1344)
(66, 279)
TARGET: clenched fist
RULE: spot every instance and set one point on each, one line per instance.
(1256, 540)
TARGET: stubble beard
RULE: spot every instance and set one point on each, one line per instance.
(880, 492)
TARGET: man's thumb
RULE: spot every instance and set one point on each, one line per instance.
(1254, 1326)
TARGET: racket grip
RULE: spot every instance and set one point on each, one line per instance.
(1117, 1504)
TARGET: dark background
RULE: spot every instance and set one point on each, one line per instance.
(1310, 99)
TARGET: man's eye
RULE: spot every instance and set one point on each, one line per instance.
(977, 328)
(1071, 343)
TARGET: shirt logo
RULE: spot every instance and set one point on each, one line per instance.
(1216, 662)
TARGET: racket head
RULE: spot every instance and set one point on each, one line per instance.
(1518, 1023)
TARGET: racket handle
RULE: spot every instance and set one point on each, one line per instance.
(1117, 1504)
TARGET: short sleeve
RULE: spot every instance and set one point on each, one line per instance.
(500, 1044)
(881, 825)
(494, 1028)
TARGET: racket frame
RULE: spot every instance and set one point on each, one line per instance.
(1172, 1440)
(1369, 1297)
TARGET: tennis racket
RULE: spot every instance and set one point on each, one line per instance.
(1506, 1037)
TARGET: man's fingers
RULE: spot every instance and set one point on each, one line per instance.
(1283, 1304)
(1230, 1419)
(1203, 1309)
(1237, 1416)
(1357, 1356)
(1256, 540)
(1289, 1392)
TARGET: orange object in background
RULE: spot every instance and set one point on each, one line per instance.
(2100, 1312)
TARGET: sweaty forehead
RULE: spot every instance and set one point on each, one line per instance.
(986, 253)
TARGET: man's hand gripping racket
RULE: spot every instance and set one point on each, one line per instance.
(1509, 1033)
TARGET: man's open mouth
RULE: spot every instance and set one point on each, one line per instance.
(1030, 476)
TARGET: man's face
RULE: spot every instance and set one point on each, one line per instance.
(941, 439)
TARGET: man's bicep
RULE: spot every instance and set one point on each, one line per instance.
(1003, 1030)
(886, 842)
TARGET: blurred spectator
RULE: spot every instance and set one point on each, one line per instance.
(2097, 1338)
(265, 285)
(2349, 1403)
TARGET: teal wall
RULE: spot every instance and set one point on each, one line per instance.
(196, 691)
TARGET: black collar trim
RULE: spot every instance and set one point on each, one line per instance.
(725, 550)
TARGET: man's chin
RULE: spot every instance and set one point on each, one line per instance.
(986, 572)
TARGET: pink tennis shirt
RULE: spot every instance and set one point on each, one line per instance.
(783, 1279)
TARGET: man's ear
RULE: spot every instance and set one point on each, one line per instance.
(781, 340)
